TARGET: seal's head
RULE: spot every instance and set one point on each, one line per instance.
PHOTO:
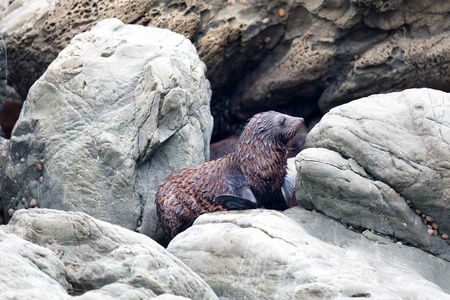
(273, 126)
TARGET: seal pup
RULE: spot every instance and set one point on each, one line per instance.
(249, 177)
(225, 146)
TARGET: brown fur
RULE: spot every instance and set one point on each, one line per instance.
(9, 115)
(258, 161)
(225, 146)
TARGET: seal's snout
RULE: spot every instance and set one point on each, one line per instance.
(294, 125)
(297, 123)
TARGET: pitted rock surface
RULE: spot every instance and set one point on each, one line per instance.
(302, 57)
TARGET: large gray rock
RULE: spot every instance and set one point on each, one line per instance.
(342, 190)
(45, 250)
(3, 72)
(383, 150)
(262, 254)
(121, 108)
(28, 271)
(4, 145)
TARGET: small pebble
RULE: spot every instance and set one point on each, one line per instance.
(10, 212)
(430, 231)
(281, 12)
(429, 226)
(266, 21)
(399, 243)
(445, 236)
(242, 1)
(24, 200)
(408, 201)
(39, 167)
(418, 212)
(139, 223)
(138, 229)
(424, 222)
(429, 219)
(42, 161)
(22, 160)
(435, 226)
(267, 40)
(33, 203)
(40, 179)
(436, 233)
(231, 2)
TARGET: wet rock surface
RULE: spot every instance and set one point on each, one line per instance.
(379, 157)
(121, 108)
(302, 254)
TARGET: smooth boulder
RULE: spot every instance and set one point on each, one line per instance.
(121, 108)
(298, 254)
(49, 254)
(380, 155)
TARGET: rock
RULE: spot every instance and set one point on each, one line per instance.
(342, 190)
(18, 25)
(3, 5)
(3, 72)
(101, 260)
(382, 151)
(4, 144)
(303, 255)
(28, 271)
(303, 57)
(121, 108)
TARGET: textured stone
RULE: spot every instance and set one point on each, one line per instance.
(28, 271)
(386, 150)
(121, 108)
(313, 56)
(4, 144)
(3, 72)
(303, 255)
(101, 259)
(342, 190)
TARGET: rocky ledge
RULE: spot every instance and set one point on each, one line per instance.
(50, 254)
(256, 254)
(383, 165)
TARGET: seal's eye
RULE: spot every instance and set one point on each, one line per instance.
(282, 121)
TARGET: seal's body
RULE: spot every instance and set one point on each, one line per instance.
(254, 172)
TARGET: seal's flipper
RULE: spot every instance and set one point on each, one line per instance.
(233, 202)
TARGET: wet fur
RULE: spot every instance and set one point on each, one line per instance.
(258, 161)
